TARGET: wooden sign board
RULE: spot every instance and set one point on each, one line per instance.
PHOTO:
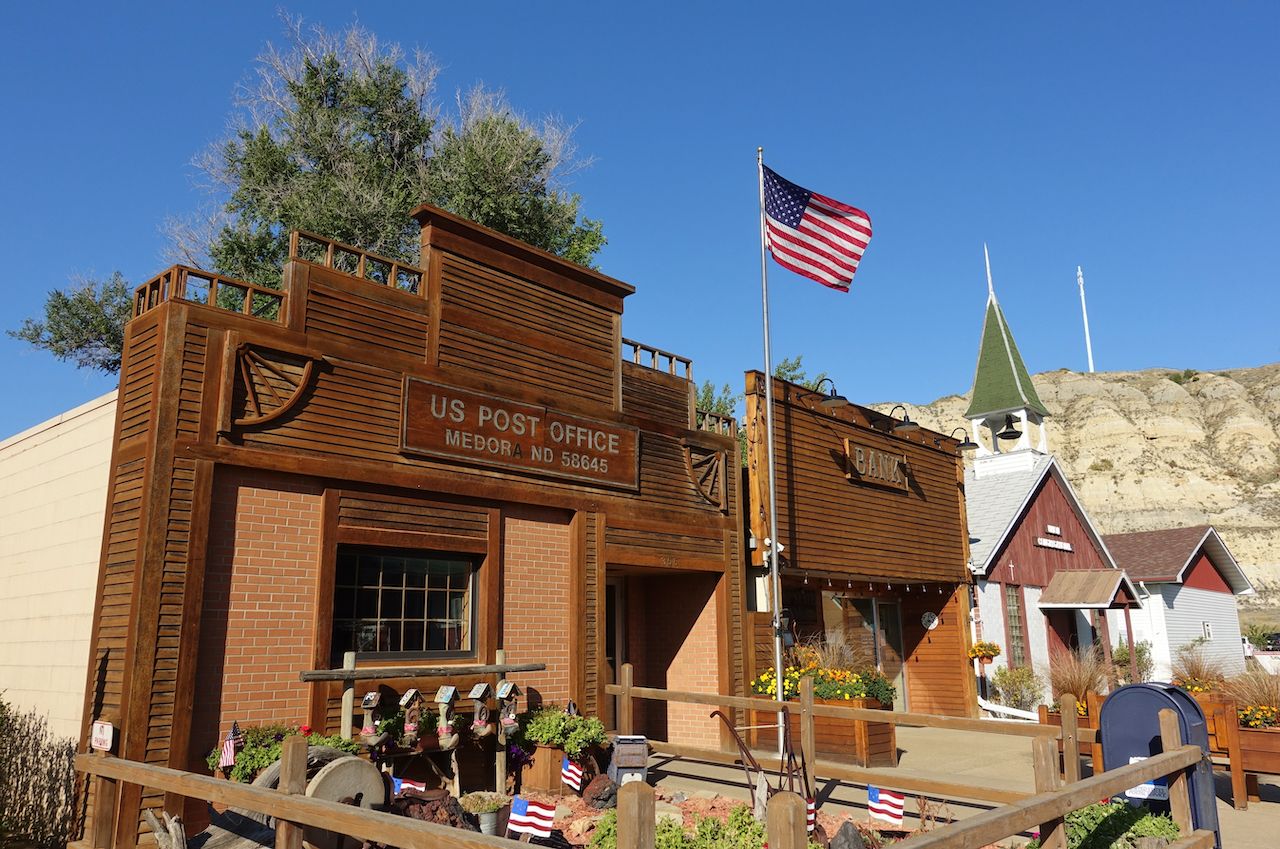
(874, 466)
(103, 736)
(444, 421)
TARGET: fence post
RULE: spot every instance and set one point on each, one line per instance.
(104, 810)
(500, 756)
(808, 742)
(1179, 799)
(626, 718)
(1094, 705)
(348, 695)
(1044, 759)
(293, 781)
(1070, 737)
(636, 823)
(786, 822)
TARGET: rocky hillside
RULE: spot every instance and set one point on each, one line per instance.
(1159, 448)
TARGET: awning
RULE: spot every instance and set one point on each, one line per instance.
(1090, 589)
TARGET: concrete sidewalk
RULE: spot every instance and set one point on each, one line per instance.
(986, 759)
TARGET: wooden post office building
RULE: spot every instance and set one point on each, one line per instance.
(419, 464)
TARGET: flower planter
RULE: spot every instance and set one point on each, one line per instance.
(1260, 750)
(542, 772)
(851, 741)
(1089, 720)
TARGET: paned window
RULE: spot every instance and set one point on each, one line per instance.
(390, 602)
(1015, 626)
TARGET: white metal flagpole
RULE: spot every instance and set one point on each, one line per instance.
(771, 545)
(1084, 311)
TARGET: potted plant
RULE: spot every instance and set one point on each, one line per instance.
(835, 682)
(1083, 675)
(485, 805)
(984, 651)
(549, 735)
(264, 745)
(1257, 701)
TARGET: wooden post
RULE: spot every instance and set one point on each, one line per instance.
(348, 695)
(786, 822)
(626, 718)
(104, 810)
(500, 756)
(636, 823)
(1133, 652)
(293, 780)
(1179, 797)
(1044, 758)
(1070, 738)
(1094, 704)
(808, 740)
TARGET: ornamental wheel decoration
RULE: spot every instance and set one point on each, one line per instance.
(267, 384)
(706, 467)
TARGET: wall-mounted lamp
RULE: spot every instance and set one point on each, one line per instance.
(832, 400)
(906, 425)
(966, 444)
(1009, 432)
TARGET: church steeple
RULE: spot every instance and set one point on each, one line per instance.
(1002, 389)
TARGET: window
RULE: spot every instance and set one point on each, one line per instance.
(1207, 629)
(402, 603)
(1014, 626)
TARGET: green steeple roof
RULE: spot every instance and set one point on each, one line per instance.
(1001, 383)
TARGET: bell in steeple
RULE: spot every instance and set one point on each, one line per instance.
(1004, 405)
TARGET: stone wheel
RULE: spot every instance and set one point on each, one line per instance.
(318, 757)
(348, 780)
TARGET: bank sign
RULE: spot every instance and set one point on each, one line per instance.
(444, 421)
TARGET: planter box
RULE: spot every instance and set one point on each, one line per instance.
(1260, 750)
(542, 773)
(851, 741)
(1089, 720)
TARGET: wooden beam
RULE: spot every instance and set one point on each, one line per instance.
(385, 673)
(1179, 796)
(293, 781)
(1070, 738)
(786, 818)
(636, 821)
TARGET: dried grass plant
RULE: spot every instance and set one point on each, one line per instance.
(1253, 688)
(1077, 672)
(1194, 670)
(37, 781)
(832, 651)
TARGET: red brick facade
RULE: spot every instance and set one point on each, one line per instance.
(259, 604)
(535, 598)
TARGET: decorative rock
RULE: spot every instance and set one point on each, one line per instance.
(581, 829)
(678, 797)
(563, 811)
(664, 810)
(847, 837)
(601, 793)
(434, 806)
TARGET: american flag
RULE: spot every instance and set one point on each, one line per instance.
(402, 785)
(532, 818)
(885, 805)
(812, 234)
(811, 813)
(571, 774)
(230, 746)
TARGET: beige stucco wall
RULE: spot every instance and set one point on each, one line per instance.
(53, 493)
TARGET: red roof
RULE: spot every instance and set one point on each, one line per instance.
(1155, 555)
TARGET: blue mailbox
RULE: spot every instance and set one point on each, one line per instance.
(1130, 731)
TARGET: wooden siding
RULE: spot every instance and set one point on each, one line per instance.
(138, 377)
(831, 524)
(1203, 576)
(653, 395)
(939, 673)
(363, 316)
(393, 512)
(1034, 565)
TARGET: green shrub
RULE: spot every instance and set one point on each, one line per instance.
(264, 745)
(1142, 654)
(1113, 825)
(1018, 688)
(740, 831)
(551, 726)
(37, 781)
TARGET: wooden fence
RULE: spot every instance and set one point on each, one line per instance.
(786, 820)
(1070, 735)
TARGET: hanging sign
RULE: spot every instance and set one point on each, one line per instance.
(867, 465)
(102, 737)
(444, 421)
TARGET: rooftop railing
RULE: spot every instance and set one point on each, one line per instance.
(658, 359)
(183, 283)
(384, 271)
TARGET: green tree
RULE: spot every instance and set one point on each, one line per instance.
(340, 136)
(83, 323)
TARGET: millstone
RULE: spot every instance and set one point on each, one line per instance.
(343, 780)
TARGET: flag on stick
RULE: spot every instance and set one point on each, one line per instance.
(885, 805)
(812, 234)
(233, 743)
(571, 774)
(532, 818)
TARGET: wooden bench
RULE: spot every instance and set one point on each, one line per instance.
(1221, 719)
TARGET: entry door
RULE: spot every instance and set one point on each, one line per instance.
(615, 645)
(889, 629)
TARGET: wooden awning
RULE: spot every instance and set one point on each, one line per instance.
(1089, 589)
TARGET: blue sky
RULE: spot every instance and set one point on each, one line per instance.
(1139, 140)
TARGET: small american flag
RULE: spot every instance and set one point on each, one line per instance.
(533, 818)
(402, 785)
(885, 805)
(812, 234)
(571, 774)
(230, 746)
(811, 813)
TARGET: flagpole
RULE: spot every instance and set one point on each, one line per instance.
(1084, 311)
(771, 545)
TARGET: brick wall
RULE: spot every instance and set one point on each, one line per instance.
(259, 604)
(535, 599)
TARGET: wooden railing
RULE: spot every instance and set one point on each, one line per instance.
(184, 283)
(716, 423)
(657, 358)
(785, 825)
(384, 271)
